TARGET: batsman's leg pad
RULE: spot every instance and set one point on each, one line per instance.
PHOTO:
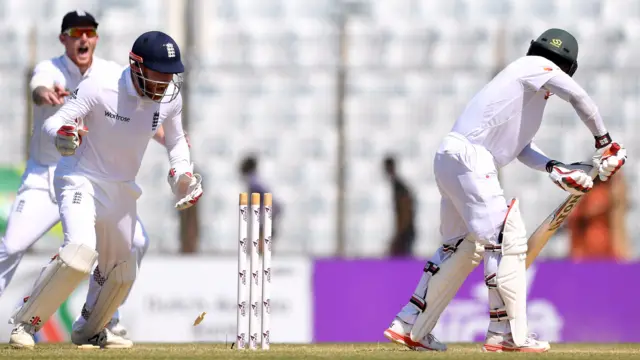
(115, 288)
(510, 279)
(57, 281)
(417, 302)
(442, 286)
(497, 312)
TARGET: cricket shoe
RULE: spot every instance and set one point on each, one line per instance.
(22, 336)
(117, 328)
(495, 342)
(104, 339)
(400, 333)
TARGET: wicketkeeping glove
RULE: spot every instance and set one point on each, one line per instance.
(186, 186)
(572, 178)
(69, 138)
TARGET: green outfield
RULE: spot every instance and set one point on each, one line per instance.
(324, 351)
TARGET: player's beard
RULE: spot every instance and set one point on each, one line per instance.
(155, 90)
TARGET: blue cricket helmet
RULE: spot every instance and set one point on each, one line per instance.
(157, 51)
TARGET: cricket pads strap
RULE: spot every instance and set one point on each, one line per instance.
(443, 286)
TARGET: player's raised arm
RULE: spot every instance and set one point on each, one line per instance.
(45, 89)
(64, 126)
(605, 160)
(568, 90)
(561, 48)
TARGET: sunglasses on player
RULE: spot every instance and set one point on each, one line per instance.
(78, 32)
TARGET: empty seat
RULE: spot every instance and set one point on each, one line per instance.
(587, 9)
(316, 44)
(270, 44)
(615, 11)
(591, 33)
(366, 112)
(457, 47)
(225, 44)
(437, 10)
(392, 11)
(248, 10)
(269, 114)
(543, 9)
(279, 84)
(407, 45)
(518, 39)
(365, 39)
(483, 10)
(15, 41)
(315, 9)
(310, 107)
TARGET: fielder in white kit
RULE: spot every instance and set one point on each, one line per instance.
(497, 127)
(35, 211)
(102, 133)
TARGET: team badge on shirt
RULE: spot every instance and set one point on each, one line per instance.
(156, 117)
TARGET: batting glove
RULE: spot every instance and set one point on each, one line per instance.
(609, 159)
(572, 178)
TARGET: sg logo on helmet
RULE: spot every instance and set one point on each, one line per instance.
(556, 42)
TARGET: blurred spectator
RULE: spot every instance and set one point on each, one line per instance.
(404, 212)
(597, 226)
(249, 173)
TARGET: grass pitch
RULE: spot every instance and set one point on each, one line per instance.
(321, 351)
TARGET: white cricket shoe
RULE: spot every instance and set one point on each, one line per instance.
(400, 333)
(495, 342)
(104, 339)
(22, 336)
(117, 328)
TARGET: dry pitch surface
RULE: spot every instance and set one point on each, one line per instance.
(325, 351)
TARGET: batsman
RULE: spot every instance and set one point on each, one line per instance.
(477, 223)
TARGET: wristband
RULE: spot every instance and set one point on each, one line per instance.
(551, 164)
(602, 141)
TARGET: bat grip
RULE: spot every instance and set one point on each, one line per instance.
(613, 150)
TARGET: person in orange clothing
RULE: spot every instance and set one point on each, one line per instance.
(597, 226)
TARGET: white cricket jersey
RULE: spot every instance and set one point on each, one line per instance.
(120, 124)
(506, 114)
(59, 70)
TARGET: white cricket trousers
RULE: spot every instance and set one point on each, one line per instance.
(473, 206)
(473, 202)
(101, 215)
(32, 215)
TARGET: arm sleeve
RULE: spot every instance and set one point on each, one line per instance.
(568, 90)
(533, 157)
(45, 74)
(176, 141)
(80, 103)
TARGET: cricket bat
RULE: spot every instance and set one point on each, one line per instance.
(552, 223)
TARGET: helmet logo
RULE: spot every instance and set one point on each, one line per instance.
(171, 52)
(556, 42)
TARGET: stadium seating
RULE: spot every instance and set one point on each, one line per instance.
(264, 79)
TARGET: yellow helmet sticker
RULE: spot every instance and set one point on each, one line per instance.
(556, 42)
